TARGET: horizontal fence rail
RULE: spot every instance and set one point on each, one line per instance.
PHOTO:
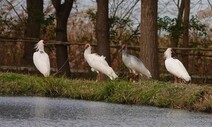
(196, 54)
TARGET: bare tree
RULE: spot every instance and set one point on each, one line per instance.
(102, 31)
(124, 23)
(33, 27)
(175, 38)
(149, 39)
(210, 3)
(62, 14)
(13, 8)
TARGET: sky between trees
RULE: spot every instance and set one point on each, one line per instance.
(165, 7)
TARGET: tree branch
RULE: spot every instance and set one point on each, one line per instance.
(14, 10)
(131, 9)
(209, 3)
(56, 4)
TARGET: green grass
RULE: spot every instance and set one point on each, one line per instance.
(155, 93)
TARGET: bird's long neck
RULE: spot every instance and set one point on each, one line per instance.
(87, 51)
(168, 54)
(124, 52)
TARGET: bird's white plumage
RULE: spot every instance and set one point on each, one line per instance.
(175, 67)
(98, 63)
(134, 64)
(41, 59)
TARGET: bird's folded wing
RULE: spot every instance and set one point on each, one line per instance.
(41, 62)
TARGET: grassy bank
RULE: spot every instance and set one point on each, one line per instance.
(155, 93)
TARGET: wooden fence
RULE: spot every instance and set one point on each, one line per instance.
(11, 54)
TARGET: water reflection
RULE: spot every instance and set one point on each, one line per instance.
(49, 112)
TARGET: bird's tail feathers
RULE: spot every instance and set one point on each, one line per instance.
(148, 74)
(113, 74)
(187, 78)
(46, 74)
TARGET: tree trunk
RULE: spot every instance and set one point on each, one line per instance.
(175, 38)
(62, 14)
(102, 31)
(33, 26)
(149, 39)
(186, 31)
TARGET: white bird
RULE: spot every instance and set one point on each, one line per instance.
(41, 59)
(175, 67)
(134, 64)
(98, 63)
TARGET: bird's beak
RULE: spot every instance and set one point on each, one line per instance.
(44, 42)
(82, 50)
(164, 56)
(120, 50)
(173, 52)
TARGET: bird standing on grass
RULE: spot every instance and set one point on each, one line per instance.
(175, 67)
(41, 59)
(98, 63)
(134, 64)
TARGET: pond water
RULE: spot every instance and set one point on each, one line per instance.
(60, 112)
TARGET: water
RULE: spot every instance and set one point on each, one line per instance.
(49, 112)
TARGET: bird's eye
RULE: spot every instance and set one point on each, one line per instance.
(86, 45)
(123, 46)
